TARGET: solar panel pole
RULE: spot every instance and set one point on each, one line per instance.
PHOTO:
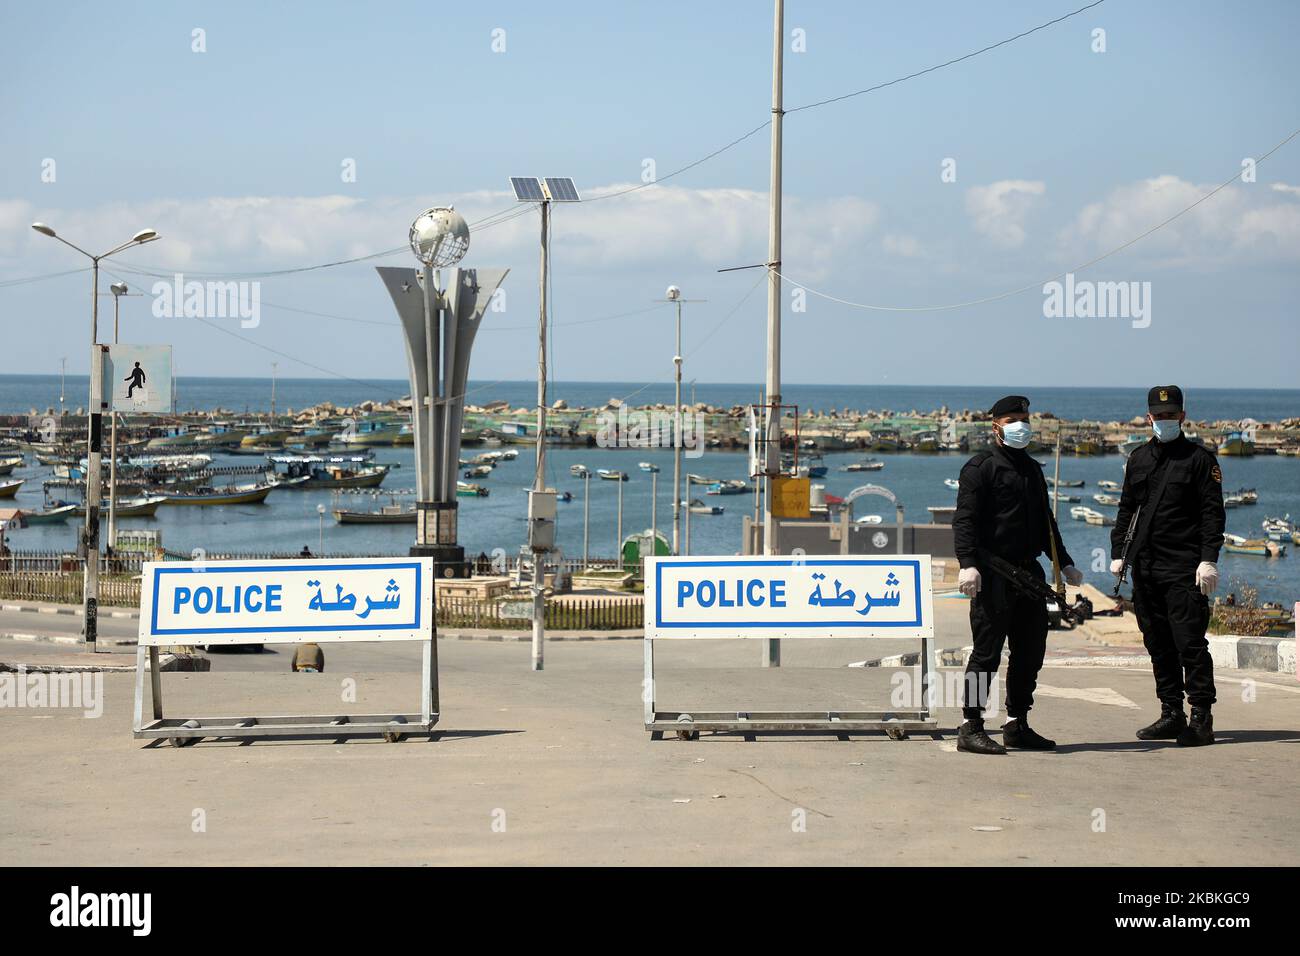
(539, 478)
(772, 458)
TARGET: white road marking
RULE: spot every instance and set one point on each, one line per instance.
(1094, 695)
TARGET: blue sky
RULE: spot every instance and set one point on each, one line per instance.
(234, 155)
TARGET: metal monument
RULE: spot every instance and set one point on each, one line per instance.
(439, 324)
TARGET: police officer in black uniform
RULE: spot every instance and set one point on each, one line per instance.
(1178, 487)
(1002, 508)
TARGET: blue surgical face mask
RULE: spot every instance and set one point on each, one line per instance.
(1166, 429)
(1016, 434)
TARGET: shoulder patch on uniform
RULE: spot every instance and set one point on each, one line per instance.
(1216, 474)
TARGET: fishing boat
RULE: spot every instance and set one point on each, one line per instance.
(1066, 499)
(925, 443)
(1077, 483)
(884, 439)
(54, 515)
(142, 507)
(369, 433)
(1097, 518)
(478, 471)
(1111, 500)
(236, 495)
(870, 519)
(698, 507)
(579, 471)
(952, 483)
(387, 514)
(732, 486)
(648, 467)
(1248, 496)
(1232, 501)
(1084, 513)
(268, 438)
(7, 465)
(465, 489)
(335, 471)
(1236, 443)
(1107, 485)
(1260, 547)
(10, 488)
(611, 474)
(871, 464)
(1279, 529)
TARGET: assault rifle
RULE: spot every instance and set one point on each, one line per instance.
(1123, 555)
(1028, 583)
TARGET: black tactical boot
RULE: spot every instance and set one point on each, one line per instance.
(1171, 722)
(1199, 730)
(972, 739)
(1019, 734)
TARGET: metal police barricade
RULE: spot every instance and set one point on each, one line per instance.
(764, 597)
(324, 601)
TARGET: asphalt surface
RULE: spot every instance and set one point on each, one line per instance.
(555, 767)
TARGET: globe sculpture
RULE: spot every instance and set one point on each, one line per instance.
(440, 237)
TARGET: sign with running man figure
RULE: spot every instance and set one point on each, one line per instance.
(138, 378)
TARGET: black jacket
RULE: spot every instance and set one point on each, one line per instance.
(1186, 527)
(1002, 506)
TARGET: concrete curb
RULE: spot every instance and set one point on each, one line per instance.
(166, 662)
(68, 639)
(68, 609)
(1275, 655)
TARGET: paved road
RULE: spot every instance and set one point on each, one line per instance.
(559, 762)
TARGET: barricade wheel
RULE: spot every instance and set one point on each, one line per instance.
(183, 741)
(896, 733)
(392, 736)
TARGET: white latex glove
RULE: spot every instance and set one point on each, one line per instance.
(1207, 577)
(968, 581)
(1073, 576)
(1117, 566)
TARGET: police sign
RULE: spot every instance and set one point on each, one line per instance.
(242, 602)
(783, 597)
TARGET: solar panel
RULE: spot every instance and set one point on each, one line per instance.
(562, 189)
(527, 189)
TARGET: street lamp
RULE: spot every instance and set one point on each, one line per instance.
(118, 289)
(320, 542)
(674, 295)
(94, 438)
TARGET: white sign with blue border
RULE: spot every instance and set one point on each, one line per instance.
(286, 601)
(786, 597)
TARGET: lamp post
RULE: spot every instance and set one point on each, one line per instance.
(320, 541)
(586, 519)
(674, 295)
(94, 431)
(118, 289)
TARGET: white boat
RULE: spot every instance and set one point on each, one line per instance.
(1097, 518)
(698, 507)
(871, 464)
(648, 466)
(952, 483)
(579, 471)
(1084, 513)
(869, 519)
(1067, 499)
(1111, 500)
(1107, 485)
(611, 474)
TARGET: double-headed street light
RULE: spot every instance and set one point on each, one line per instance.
(674, 295)
(94, 440)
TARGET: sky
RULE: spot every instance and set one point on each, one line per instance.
(262, 137)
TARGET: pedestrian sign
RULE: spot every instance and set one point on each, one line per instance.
(138, 377)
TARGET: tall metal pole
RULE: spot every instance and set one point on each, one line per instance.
(677, 436)
(654, 506)
(686, 544)
(772, 458)
(539, 477)
(94, 443)
(586, 520)
(273, 368)
(112, 444)
(63, 376)
(618, 528)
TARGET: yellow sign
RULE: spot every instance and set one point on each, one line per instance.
(790, 497)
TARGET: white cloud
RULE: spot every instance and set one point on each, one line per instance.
(907, 246)
(661, 224)
(1284, 188)
(999, 210)
(1238, 220)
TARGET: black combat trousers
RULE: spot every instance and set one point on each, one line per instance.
(1173, 615)
(999, 614)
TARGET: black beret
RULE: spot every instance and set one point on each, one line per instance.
(1008, 405)
(1165, 398)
